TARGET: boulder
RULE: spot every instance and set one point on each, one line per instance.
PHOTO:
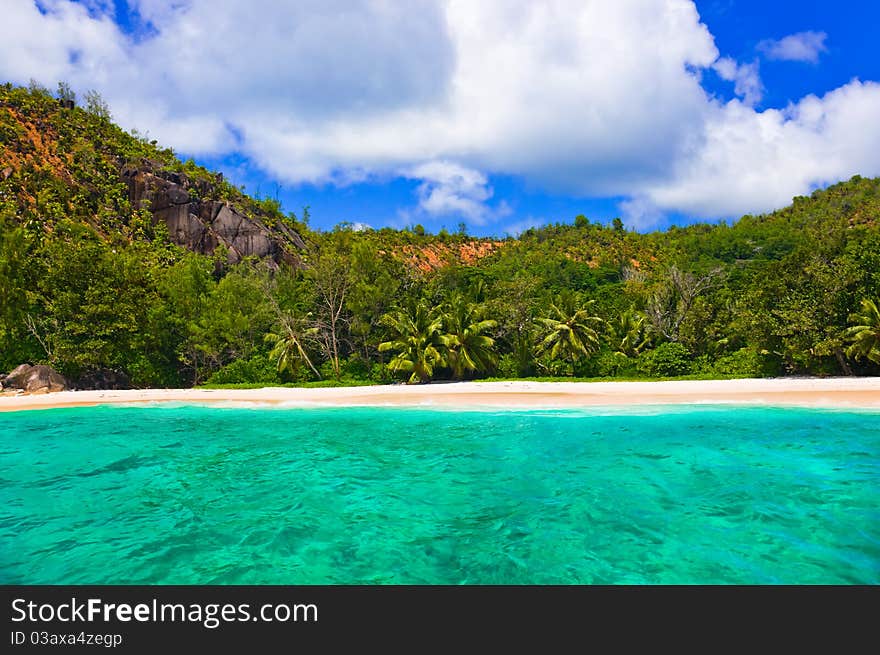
(35, 379)
(15, 378)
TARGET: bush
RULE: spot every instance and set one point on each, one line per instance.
(146, 373)
(666, 360)
(354, 367)
(611, 364)
(258, 369)
(746, 362)
(380, 374)
(508, 367)
(586, 367)
(554, 367)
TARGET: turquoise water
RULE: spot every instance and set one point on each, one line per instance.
(198, 495)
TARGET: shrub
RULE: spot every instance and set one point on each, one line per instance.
(354, 367)
(554, 367)
(666, 360)
(746, 362)
(380, 374)
(508, 366)
(611, 364)
(258, 369)
(586, 367)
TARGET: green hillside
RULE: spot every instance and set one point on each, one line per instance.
(115, 256)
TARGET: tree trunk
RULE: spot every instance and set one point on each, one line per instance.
(334, 346)
(844, 365)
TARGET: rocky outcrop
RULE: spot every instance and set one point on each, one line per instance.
(201, 224)
(35, 379)
(16, 376)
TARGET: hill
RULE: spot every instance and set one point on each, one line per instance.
(59, 161)
(121, 263)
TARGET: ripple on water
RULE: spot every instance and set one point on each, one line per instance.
(199, 495)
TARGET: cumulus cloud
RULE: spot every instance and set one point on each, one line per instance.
(803, 46)
(556, 91)
(583, 97)
(751, 162)
(449, 189)
(59, 40)
(746, 78)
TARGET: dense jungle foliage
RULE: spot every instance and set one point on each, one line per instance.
(90, 283)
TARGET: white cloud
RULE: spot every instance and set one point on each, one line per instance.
(449, 189)
(555, 91)
(746, 79)
(45, 44)
(803, 46)
(750, 162)
(641, 213)
(583, 97)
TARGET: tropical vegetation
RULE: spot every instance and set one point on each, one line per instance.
(89, 282)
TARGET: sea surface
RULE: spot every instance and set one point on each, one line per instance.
(205, 495)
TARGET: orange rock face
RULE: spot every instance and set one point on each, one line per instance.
(437, 255)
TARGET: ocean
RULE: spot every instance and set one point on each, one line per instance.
(175, 494)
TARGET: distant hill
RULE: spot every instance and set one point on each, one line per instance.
(70, 162)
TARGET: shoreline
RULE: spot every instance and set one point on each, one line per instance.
(839, 393)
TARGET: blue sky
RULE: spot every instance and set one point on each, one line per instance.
(852, 51)
(500, 114)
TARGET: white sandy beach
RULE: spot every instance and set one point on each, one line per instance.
(804, 392)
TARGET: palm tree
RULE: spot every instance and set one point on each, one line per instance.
(288, 344)
(417, 340)
(865, 335)
(628, 333)
(468, 348)
(568, 332)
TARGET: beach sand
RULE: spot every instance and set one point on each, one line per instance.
(803, 392)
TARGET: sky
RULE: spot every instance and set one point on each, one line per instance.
(499, 114)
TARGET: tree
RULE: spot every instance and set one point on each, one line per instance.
(289, 342)
(514, 305)
(865, 334)
(65, 93)
(96, 105)
(186, 287)
(417, 340)
(94, 311)
(330, 274)
(627, 334)
(673, 299)
(468, 348)
(15, 248)
(36, 87)
(375, 281)
(234, 320)
(568, 332)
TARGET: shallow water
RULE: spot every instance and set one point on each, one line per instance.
(200, 495)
